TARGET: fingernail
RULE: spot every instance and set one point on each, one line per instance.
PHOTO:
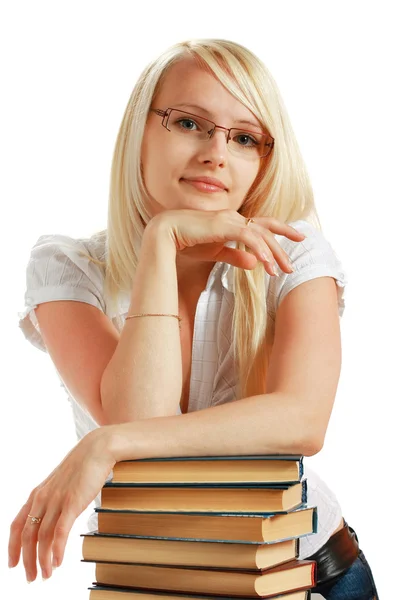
(275, 270)
(297, 231)
(10, 563)
(54, 563)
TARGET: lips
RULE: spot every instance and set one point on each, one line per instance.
(208, 182)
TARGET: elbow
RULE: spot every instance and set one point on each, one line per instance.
(121, 405)
(311, 448)
(100, 416)
(112, 412)
(118, 409)
(113, 407)
(314, 431)
(102, 420)
(311, 444)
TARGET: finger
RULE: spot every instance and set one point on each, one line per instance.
(14, 543)
(277, 227)
(277, 253)
(254, 240)
(257, 241)
(268, 250)
(260, 238)
(29, 541)
(295, 232)
(45, 542)
(237, 258)
(272, 249)
(61, 533)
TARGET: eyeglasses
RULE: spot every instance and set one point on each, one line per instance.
(250, 144)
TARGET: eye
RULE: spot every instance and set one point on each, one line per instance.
(245, 139)
(187, 124)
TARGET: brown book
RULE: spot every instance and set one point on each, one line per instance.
(237, 499)
(213, 526)
(293, 576)
(211, 469)
(220, 555)
(99, 592)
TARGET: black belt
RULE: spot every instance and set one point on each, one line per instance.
(335, 557)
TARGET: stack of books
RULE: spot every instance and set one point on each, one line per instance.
(203, 527)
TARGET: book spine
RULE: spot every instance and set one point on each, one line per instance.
(225, 486)
(183, 595)
(261, 457)
(315, 519)
(304, 491)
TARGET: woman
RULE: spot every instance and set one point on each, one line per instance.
(198, 256)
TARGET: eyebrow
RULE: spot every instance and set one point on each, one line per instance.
(197, 107)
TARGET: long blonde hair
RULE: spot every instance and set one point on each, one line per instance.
(282, 189)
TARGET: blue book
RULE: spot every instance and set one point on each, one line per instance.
(221, 470)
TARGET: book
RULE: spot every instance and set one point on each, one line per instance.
(98, 592)
(189, 498)
(212, 526)
(127, 549)
(274, 468)
(292, 576)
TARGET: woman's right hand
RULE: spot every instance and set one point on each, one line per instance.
(201, 235)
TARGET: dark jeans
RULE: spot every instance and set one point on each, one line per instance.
(357, 583)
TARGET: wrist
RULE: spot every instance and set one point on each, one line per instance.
(119, 441)
(132, 440)
(99, 442)
(158, 234)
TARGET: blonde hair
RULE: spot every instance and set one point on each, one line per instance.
(282, 189)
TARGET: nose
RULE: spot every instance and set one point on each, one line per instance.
(215, 149)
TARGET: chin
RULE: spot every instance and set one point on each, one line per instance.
(202, 203)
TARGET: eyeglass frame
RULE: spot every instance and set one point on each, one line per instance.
(166, 113)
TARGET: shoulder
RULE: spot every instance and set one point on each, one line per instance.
(53, 252)
(315, 240)
(61, 267)
(49, 245)
(311, 258)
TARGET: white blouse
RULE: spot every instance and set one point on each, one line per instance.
(56, 271)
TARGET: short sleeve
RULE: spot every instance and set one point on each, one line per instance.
(311, 258)
(57, 271)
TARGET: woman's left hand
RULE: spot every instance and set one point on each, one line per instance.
(58, 501)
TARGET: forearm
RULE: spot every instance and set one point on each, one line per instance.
(144, 377)
(265, 424)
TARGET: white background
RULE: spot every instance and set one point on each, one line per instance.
(68, 70)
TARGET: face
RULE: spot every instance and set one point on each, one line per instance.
(168, 161)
